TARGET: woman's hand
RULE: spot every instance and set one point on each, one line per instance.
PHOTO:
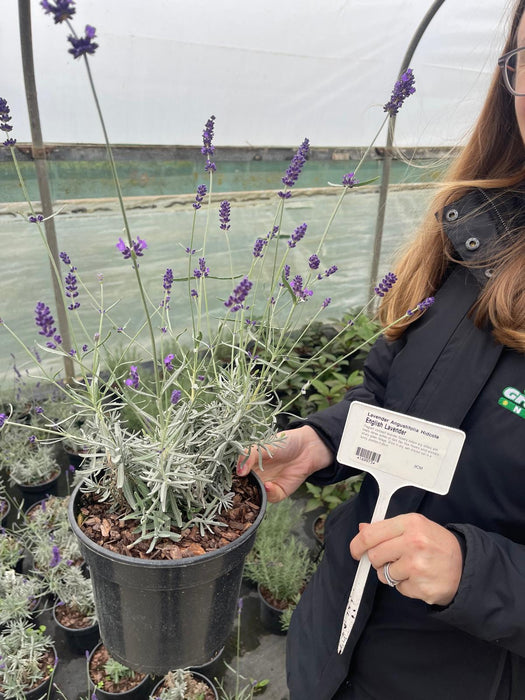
(285, 466)
(425, 557)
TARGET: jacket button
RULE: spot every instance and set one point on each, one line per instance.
(472, 243)
(489, 272)
(452, 215)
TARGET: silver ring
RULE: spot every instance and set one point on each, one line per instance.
(393, 582)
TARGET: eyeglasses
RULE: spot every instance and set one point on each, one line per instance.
(512, 66)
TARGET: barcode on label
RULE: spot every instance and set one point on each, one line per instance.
(367, 455)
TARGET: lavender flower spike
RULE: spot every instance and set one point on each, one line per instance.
(402, 89)
(61, 10)
(208, 148)
(295, 167)
(297, 235)
(386, 284)
(133, 379)
(44, 320)
(56, 558)
(84, 44)
(350, 180)
(239, 294)
(224, 215)
(422, 306)
(5, 118)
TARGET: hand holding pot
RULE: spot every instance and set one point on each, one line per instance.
(288, 463)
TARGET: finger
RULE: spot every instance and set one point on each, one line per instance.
(246, 462)
(274, 492)
(373, 534)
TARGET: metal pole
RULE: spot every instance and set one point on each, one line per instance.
(387, 160)
(39, 157)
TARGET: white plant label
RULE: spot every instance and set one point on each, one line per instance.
(398, 450)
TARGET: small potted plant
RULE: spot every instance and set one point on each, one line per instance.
(184, 685)
(109, 678)
(279, 563)
(28, 661)
(74, 612)
(31, 466)
(327, 498)
(19, 596)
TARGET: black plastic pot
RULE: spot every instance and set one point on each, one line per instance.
(139, 692)
(79, 639)
(5, 507)
(213, 668)
(155, 616)
(195, 674)
(269, 615)
(32, 493)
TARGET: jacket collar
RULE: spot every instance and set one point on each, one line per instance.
(476, 223)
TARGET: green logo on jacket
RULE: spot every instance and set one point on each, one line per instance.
(513, 400)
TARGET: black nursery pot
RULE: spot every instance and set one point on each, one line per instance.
(139, 692)
(79, 639)
(269, 615)
(32, 493)
(154, 615)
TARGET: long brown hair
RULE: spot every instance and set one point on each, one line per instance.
(494, 157)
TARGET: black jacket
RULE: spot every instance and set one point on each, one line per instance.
(446, 370)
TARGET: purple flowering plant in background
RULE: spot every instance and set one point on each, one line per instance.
(145, 408)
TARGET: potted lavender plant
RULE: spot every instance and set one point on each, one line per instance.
(28, 662)
(163, 522)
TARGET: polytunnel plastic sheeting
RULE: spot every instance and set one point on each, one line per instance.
(271, 72)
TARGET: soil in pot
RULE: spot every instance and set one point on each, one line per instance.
(132, 687)
(81, 633)
(318, 527)
(198, 687)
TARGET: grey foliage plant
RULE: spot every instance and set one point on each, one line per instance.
(23, 654)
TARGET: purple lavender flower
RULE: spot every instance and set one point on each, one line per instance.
(386, 284)
(133, 379)
(313, 262)
(39, 410)
(175, 396)
(224, 215)
(168, 362)
(3, 419)
(32, 439)
(208, 149)
(84, 44)
(297, 235)
(295, 167)
(72, 288)
(194, 293)
(5, 118)
(44, 320)
(350, 180)
(201, 193)
(71, 468)
(236, 299)
(167, 283)
(202, 270)
(286, 272)
(331, 271)
(138, 247)
(65, 258)
(36, 219)
(300, 292)
(61, 10)
(258, 247)
(192, 251)
(56, 558)
(326, 302)
(422, 306)
(84, 348)
(402, 89)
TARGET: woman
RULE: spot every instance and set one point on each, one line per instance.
(449, 623)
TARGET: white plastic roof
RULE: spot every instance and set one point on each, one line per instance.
(272, 72)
